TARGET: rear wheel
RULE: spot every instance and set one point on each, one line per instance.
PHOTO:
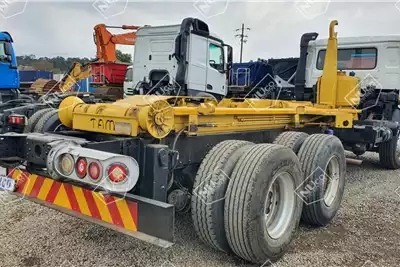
(49, 122)
(208, 196)
(33, 120)
(292, 140)
(389, 153)
(324, 166)
(262, 211)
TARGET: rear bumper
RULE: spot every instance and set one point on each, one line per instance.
(149, 220)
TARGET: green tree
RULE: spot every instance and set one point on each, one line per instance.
(122, 57)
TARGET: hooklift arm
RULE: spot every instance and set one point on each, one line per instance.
(160, 116)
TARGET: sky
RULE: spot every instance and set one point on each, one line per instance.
(65, 28)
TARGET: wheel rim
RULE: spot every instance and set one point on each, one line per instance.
(331, 183)
(279, 205)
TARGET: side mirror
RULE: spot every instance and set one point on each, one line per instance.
(7, 49)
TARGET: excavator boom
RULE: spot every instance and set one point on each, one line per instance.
(106, 41)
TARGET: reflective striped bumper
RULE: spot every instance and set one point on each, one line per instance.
(143, 218)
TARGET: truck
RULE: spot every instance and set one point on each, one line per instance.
(15, 106)
(247, 169)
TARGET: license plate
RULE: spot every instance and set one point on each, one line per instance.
(7, 184)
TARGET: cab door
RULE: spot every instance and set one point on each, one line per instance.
(216, 75)
(197, 63)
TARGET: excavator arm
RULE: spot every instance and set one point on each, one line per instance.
(106, 41)
(76, 73)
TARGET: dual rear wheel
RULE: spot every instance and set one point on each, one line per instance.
(250, 198)
(44, 120)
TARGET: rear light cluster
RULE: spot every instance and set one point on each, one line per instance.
(112, 172)
(17, 119)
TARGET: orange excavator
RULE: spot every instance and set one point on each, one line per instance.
(106, 42)
(104, 70)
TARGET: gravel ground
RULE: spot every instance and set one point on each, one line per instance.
(365, 233)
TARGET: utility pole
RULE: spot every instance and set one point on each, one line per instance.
(243, 39)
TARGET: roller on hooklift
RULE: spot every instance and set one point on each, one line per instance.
(131, 164)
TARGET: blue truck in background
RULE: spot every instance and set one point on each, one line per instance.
(17, 105)
(264, 79)
(10, 79)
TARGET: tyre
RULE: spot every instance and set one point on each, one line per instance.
(389, 153)
(207, 203)
(262, 211)
(48, 123)
(33, 120)
(324, 166)
(292, 140)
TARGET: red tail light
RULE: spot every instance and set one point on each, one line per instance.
(94, 170)
(117, 173)
(16, 119)
(81, 167)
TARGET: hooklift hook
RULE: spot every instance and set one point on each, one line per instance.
(332, 33)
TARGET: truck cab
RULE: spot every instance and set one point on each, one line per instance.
(375, 60)
(10, 80)
(183, 59)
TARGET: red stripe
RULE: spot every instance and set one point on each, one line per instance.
(72, 197)
(10, 172)
(112, 207)
(55, 187)
(133, 208)
(91, 204)
(22, 180)
(36, 187)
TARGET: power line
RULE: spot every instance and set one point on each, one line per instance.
(243, 39)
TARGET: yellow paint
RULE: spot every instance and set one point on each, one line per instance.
(19, 175)
(62, 198)
(29, 184)
(16, 174)
(44, 191)
(80, 198)
(126, 215)
(335, 88)
(102, 207)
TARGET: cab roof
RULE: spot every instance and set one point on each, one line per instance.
(6, 36)
(359, 40)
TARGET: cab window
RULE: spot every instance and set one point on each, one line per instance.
(3, 56)
(352, 59)
(216, 57)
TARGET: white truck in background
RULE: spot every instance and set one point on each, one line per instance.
(183, 59)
